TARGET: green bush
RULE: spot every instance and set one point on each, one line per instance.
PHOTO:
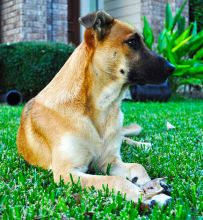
(196, 12)
(29, 66)
(181, 45)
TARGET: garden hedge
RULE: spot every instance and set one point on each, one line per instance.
(29, 66)
(196, 12)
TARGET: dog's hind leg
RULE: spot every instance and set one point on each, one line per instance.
(139, 144)
(131, 130)
(134, 130)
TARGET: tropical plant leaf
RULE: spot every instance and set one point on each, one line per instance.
(180, 73)
(199, 54)
(148, 33)
(196, 45)
(196, 70)
(171, 56)
(174, 35)
(178, 15)
(182, 67)
(162, 42)
(194, 29)
(199, 76)
(192, 46)
(181, 44)
(181, 25)
(191, 62)
(197, 36)
(192, 81)
(169, 17)
(183, 36)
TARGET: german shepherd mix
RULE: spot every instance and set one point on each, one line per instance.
(75, 122)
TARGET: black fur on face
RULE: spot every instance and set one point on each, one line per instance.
(146, 67)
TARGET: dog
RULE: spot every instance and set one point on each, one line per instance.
(75, 122)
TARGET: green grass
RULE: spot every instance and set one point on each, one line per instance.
(28, 192)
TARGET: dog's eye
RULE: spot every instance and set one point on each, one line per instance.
(132, 42)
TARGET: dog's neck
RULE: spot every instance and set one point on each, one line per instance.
(77, 81)
(109, 95)
(67, 86)
(106, 89)
(105, 98)
(107, 108)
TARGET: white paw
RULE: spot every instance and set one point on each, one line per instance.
(160, 199)
(144, 145)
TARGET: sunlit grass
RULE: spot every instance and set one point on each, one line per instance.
(28, 192)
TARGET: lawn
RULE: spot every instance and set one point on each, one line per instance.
(28, 192)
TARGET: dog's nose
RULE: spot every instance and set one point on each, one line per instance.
(169, 68)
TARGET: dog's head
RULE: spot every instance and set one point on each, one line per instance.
(120, 53)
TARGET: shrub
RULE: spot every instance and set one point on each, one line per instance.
(29, 66)
(181, 45)
(196, 12)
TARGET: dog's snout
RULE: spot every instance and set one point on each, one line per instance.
(170, 68)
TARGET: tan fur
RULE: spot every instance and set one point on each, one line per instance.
(76, 119)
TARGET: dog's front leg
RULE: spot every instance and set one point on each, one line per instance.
(154, 189)
(63, 165)
(134, 172)
(116, 183)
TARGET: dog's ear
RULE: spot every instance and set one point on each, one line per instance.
(100, 21)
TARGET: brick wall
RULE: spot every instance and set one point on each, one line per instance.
(34, 20)
(27, 20)
(57, 26)
(11, 22)
(154, 10)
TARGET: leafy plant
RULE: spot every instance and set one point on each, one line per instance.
(29, 66)
(148, 34)
(181, 45)
(196, 12)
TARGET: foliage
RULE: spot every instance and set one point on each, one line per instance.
(181, 45)
(196, 12)
(29, 66)
(148, 34)
(27, 192)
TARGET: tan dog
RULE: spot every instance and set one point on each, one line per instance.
(76, 121)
